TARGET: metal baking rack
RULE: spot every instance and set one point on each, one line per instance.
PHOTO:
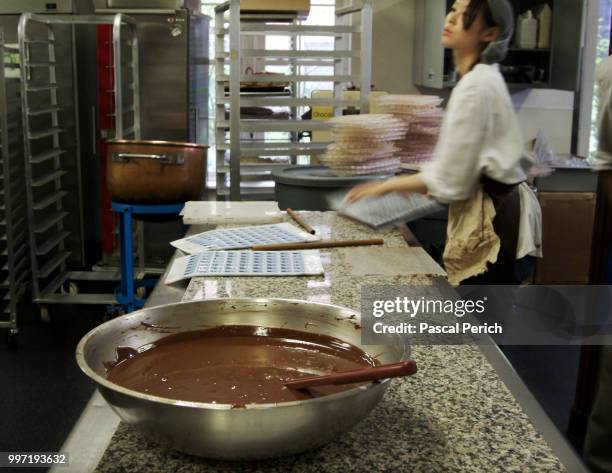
(46, 121)
(14, 254)
(243, 237)
(239, 140)
(246, 263)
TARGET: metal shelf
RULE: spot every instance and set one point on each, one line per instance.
(41, 64)
(291, 102)
(47, 201)
(275, 93)
(351, 41)
(11, 186)
(53, 286)
(276, 149)
(280, 53)
(299, 62)
(291, 30)
(14, 122)
(53, 264)
(17, 245)
(41, 88)
(43, 181)
(39, 41)
(249, 168)
(18, 281)
(282, 78)
(278, 125)
(46, 156)
(15, 140)
(15, 158)
(19, 238)
(20, 207)
(50, 221)
(17, 267)
(252, 192)
(51, 243)
(21, 222)
(37, 135)
(43, 111)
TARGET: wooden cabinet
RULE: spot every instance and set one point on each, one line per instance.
(567, 231)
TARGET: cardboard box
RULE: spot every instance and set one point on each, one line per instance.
(301, 7)
(567, 226)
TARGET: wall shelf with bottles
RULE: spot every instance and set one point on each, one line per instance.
(555, 67)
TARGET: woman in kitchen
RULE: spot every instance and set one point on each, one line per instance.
(494, 225)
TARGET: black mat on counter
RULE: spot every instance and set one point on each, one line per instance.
(43, 392)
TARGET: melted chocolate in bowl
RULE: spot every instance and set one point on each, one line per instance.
(235, 364)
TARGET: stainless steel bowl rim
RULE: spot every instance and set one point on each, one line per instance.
(80, 357)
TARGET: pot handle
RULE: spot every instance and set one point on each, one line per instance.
(162, 158)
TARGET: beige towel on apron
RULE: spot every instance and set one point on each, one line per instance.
(471, 241)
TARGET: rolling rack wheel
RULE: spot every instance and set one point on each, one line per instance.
(70, 288)
(45, 315)
(12, 338)
(141, 292)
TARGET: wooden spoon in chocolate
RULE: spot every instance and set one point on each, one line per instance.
(395, 370)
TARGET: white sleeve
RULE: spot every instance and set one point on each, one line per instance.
(603, 158)
(455, 169)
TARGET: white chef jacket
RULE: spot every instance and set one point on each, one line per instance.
(603, 159)
(480, 135)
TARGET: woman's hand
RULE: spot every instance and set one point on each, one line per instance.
(403, 184)
(369, 189)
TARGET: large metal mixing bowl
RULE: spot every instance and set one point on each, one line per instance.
(221, 431)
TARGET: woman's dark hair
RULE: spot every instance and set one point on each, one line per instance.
(470, 15)
(472, 11)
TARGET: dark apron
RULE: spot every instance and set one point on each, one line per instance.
(507, 202)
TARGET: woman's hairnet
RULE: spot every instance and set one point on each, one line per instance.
(503, 15)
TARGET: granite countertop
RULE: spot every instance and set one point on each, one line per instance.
(455, 415)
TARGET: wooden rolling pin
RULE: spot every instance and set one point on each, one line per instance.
(396, 370)
(300, 222)
(318, 244)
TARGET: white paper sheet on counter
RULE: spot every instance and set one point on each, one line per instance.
(246, 263)
(228, 213)
(243, 237)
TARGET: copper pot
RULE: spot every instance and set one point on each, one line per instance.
(155, 172)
